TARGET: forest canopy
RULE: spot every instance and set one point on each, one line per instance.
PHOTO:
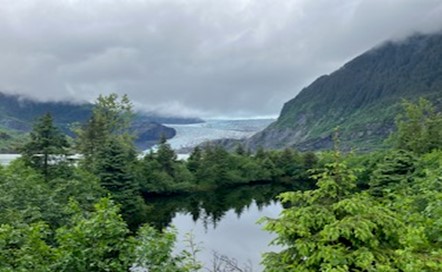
(379, 211)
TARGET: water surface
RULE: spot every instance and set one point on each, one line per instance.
(224, 221)
(5, 159)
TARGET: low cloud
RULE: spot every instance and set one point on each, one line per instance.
(210, 58)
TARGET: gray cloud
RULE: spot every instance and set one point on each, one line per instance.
(210, 58)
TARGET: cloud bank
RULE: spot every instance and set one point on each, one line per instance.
(206, 58)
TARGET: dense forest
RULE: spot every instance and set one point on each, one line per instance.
(379, 211)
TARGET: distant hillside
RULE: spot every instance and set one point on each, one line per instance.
(17, 115)
(361, 98)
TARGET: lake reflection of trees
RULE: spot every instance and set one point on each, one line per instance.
(210, 207)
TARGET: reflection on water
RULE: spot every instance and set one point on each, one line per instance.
(210, 207)
(223, 221)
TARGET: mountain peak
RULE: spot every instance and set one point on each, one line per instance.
(362, 97)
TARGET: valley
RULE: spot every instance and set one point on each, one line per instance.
(221, 136)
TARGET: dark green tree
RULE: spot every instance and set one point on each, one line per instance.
(217, 167)
(419, 127)
(115, 174)
(166, 156)
(289, 162)
(195, 158)
(309, 160)
(161, 172)
(396, 167)
(47, 146)
(260, 154)
(111, 119)
(240, 150)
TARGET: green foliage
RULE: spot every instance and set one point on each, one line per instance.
(420, 205)
(419, 128)
(384, 217)
(211, 166)
(166, 157)
(11, 141)
(195, 159)
(332, 228)
(363, 97)
(309, 160)
(289, 163)
(396, 167)
(114, 167)
(106, 144)
(20, 203)
(211, 207)
(25, 197)
(111, 119)
(17, 115)
(46, 148)
(23, 248)
(161, 173)
(154, 252)
(97, 242)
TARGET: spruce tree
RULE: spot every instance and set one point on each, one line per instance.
(419, 127)
(166, 156)
(46, 147)
(195, 160)
(333, 228)
(396, 167)
(111, 119)
(114, 172)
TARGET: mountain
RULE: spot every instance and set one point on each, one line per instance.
(17, 115)
(361, 98)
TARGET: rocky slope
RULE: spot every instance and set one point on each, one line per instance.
(361, 98)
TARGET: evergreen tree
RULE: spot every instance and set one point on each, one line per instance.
(111, 119)
(309, 160)
(90, 140)
(333, 229)
(195, 160)
(240, 150)
(419, 128)
(115, 175)
(289, 162)
(47, 146)
(397, 166)
(166, 156)
(260, 153)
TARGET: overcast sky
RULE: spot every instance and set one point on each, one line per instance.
(236, 58)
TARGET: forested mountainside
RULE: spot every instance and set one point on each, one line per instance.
(361, 98)
(17, 115)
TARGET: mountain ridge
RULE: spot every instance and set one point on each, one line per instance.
(17, 114)
(361, 98)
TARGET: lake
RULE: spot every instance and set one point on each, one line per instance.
(5, 159)
(224, 221)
